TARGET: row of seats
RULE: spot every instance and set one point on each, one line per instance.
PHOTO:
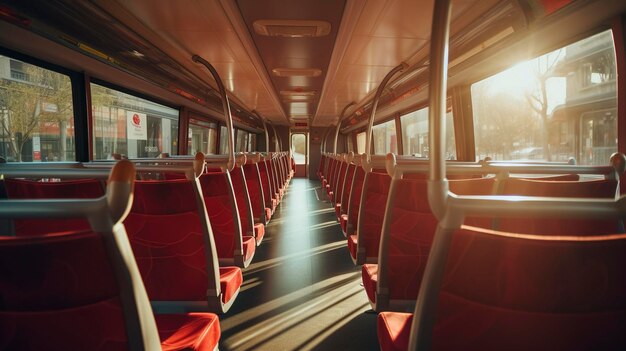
(81, 289)
(190, 236)
(391, 229)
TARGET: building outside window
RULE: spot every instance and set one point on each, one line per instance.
(129, 126)
(36, 113)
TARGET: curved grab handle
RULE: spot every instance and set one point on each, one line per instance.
(120, 187)
(199, 164)
(341, 116)
(379, 93)
(323, 145)
(226, 107)
(277, 141)
(240, 159)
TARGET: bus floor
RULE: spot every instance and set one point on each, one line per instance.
(302, 291)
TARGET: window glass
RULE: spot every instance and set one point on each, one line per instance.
(129, 126)
(350, 143)
(252, 142)
(415, 134)
(385, 140)
(241, 143)
(360, 142)
(223, 140)
(298, 148)
(202, 137)
(36, 113)
(556, 106)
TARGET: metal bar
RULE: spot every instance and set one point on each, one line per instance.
(379, 93)
(226, 107)
(341, 116)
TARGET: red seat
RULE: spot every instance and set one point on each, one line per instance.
(255, 191)
(605, 188)
(343, 221)
(191, 331)
(394, 330)
(320, 169)
(355, 201)
(267, 186)
(61, 292)
(344, 200)
(396, 283)
(172, 244)
(504, 291)
(244, 206)
(372, 211)
(339, 188)
(69, 189)
(232, 246)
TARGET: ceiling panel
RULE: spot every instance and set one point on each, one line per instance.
(184, 27)
(387, 32)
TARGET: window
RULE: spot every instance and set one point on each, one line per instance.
(36, 113)
(128, 126)
(241, 141)
(360, 142)
(559, 105)
(385, 140)
(252, 142)
(415, 134)
(202, 137)
(299, 148)
(223, 140)
(350, 143)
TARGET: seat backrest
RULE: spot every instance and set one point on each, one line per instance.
(341, 177)
(221, 206)
(347, 188)
(412, 230)
(320, 168)
(604, 188)
(244, 207)
(266, 183)
(372, 211)
(331, 171)
(69, 189)
(53, 286)
(355, 198)
(504, 291)
(255, 189)
(271, 173)
(169, 241)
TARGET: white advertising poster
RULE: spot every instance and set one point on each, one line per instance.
(136, 125)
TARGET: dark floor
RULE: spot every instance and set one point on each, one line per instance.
(302, 291)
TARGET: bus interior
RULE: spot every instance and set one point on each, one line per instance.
(312, 175)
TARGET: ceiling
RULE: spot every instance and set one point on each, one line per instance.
(366, 39)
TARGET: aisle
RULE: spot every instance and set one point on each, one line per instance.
(302, 291)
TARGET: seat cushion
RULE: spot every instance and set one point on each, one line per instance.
(393, 330)
(191, 331)
(369, 275)
(230, 281)
(249, 245)
(352, 245)
(268, 214)
(343, 220)
(259, 232)
(338, 209)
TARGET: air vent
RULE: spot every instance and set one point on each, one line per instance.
(297, 95)
(297, 72)
(292, 28)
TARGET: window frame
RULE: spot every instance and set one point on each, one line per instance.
(79, 100)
